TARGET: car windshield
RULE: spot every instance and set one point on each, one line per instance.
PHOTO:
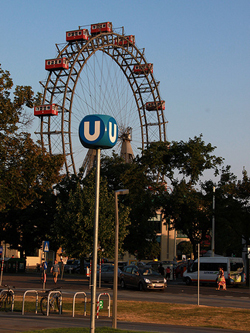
(148, 271)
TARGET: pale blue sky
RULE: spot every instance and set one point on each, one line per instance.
(200, 50)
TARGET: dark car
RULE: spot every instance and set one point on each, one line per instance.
(107, 273)
(72, 266)
(143, 278)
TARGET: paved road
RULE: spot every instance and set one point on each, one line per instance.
(176, 293)
(10, 323)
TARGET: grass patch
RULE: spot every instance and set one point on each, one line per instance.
(84, 330)
(153, 312)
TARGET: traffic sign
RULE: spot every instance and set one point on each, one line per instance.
(46, 246)
(101, 305)
(1, 250)
(98, 131)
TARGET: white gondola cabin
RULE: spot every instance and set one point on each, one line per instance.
(125, 40)
(143, 68)
(56, 64)
(79, 35)
(46, 110)
(152, 106)
(99, 28)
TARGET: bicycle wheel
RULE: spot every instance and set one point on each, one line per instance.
(58, 305)
(8, 302)
(43, 305)
(2, 301)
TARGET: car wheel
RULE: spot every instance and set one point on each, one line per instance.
(188, 281)
(123, 286)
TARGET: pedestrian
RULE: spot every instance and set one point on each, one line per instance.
(161, 269)
(221, 281)
(55, 269)
(168, 270)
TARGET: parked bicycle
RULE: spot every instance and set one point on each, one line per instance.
(6, 298)
(55, 301)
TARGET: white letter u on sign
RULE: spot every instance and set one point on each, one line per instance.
(112, 138)
(95, 135)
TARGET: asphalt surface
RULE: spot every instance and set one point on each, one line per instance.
(16, 322)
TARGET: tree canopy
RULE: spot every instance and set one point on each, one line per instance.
(26, 169)
(24, 166)
(74, 220)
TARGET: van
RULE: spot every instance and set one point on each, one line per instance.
(209, 269)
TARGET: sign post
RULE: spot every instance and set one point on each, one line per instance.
(2, 253)
(96, 132)
(45, 265)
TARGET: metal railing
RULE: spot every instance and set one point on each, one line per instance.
(26, 292)
(85, 302)
(98, 304)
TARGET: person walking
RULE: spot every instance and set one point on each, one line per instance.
(168, 271)
(55, 269)
(221, 281)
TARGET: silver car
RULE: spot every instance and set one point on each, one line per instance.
(142, 278)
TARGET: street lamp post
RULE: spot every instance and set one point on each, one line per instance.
(213, 223)
(115, 282)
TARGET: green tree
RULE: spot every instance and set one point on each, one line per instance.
(26, 170)
(182, 164)
(75, 218)
(142, 200)
(232, 213)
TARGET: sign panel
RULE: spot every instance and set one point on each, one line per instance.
(1, 250)
(98, 131)
(46, 246)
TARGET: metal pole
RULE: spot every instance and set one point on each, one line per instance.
(2, 267)
(115, 282)
(198, 274)
(213, 223)
(95, 243)
(114, 319)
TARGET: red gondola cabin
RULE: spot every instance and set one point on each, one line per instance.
(82, 34)
(152, 106)
(98, 28)
(56, 64)
(46, 110)
(143, 68)
(125, 40)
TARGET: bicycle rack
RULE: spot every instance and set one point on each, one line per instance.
(9, 290)
(26, 292)
(85, 302)
(60, 301)
(98, 304)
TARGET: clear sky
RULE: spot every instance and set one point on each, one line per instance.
(200, 50)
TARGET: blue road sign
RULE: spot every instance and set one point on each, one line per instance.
(46, 246)
(1, 250)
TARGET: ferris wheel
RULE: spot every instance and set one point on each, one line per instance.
(101, 72)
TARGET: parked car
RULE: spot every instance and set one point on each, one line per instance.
(107, 273)
(180, 269)
(143, 278)
(72, 266)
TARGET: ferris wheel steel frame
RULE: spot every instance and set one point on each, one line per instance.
(64, 82)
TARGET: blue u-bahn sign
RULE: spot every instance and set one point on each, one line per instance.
(98, 131)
